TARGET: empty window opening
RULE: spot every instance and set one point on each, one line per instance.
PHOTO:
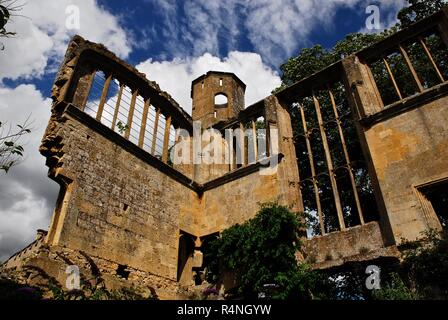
(220, 82)
(335, 184)
(185, 258)
(125, 207)
(412, 68)
(199, 277)
(199, 272)
(96, 89)
(237, 153)
(123, 272)
(437, 195)
(220, 100)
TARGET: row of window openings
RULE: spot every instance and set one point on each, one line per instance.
(92, 106)
(411, 68)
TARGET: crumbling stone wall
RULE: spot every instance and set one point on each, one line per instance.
(126, 208)
(408, 148)
(408, 151)
(116, 204)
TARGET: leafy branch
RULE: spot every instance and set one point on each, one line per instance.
(122, 128)
(10, 150)
(6, 9)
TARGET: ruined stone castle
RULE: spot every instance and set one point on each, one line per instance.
(361, 147)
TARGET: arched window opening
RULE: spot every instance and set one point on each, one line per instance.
(221, 100)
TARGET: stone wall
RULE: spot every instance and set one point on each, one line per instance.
(127, 208)
(359, 243)
(236, 201)
(409, 150)
(116, 206)
(407, 147)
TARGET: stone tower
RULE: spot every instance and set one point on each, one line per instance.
(217, 96)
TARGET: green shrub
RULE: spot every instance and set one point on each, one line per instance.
(261, 254)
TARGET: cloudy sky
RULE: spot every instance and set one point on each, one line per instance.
(171, 41)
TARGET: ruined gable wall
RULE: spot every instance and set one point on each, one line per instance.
(117, 206)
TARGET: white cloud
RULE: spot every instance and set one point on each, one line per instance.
(276, 29)
(27, 195)
(388, 15)
(175, 76)
(42, 35)
(279, 28)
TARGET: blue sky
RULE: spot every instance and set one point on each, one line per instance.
(173, 42)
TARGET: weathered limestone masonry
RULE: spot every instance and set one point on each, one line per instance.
(141, 220)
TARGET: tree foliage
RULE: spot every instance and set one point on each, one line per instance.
(7, 7)
(395, 289)
(5, 15)
(425, 266)
(422, 274)
(316, 58)
(261, 253)
(419, 9)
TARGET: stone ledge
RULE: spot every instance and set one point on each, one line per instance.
(409, 103)
(391, 252)
(359, 243)
(239, 173)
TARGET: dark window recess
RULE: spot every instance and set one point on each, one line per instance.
(198, 277)
(123, 272)
(438, 196)
(125, 207)
(185, 255)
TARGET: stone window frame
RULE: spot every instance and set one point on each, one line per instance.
(426, 207)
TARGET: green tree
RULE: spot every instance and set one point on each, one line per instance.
(10, 149)
(261, 255)
(425, 266)
(316, 58)
(4, 17)
(394, 289)
(419, 9)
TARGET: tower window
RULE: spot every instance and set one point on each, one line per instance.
(220, 82)
(221, 100)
